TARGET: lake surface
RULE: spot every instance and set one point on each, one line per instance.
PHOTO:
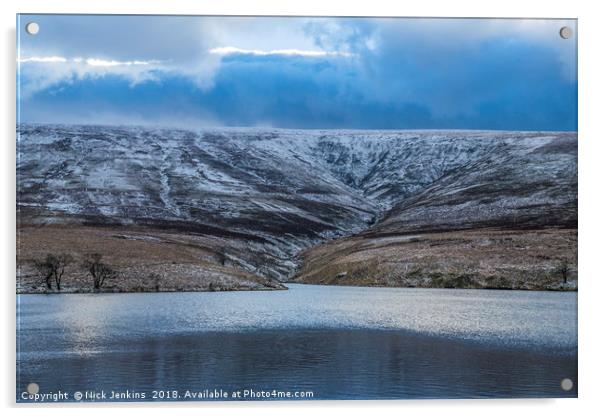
(335, 342)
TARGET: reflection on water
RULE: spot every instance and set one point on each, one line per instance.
(339, 342)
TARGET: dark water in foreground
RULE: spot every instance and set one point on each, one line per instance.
(335, 342)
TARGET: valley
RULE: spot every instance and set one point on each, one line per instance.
(251, 209)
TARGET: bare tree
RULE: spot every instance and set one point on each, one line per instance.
(155, 280)
(60, 262)
(563, 269)
(99, 271)
(53, 266)
(44, 269)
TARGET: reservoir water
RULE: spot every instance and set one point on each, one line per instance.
(317, 342)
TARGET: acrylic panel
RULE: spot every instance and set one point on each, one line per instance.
(295, 208)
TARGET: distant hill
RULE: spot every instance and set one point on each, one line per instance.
(271, 204)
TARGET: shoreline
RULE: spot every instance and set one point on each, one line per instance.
(285, 287)
(509, 289)
(124, 291)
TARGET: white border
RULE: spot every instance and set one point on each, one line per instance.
(590, 202)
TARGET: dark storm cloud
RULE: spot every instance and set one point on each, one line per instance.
(303, 73)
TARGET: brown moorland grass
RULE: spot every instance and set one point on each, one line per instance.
(494, 259)
(144, 260)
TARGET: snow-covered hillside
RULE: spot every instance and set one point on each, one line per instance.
(272, 193)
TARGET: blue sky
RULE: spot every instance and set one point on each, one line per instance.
(376, 73)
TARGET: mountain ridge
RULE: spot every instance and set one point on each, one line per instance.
(271, 194)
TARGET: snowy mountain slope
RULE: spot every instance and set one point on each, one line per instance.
(530, 183)
(271, 193)
(505, 220)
